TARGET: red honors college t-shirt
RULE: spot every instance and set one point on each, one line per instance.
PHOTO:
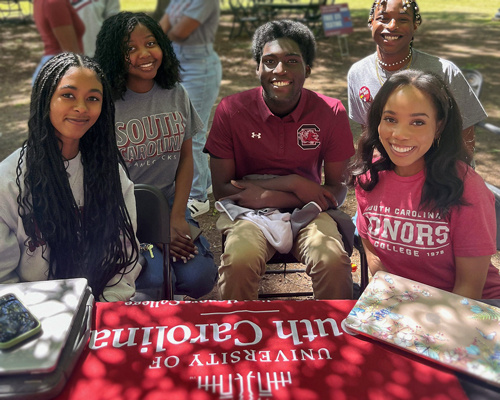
(419, 244)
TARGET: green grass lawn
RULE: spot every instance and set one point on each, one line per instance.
(488, 8)
(430, 9)
(135, 5)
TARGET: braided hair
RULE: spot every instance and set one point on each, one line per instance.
(407, 4)
(89, 244)
(113, 55)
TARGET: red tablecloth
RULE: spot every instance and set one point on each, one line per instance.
(244, 350)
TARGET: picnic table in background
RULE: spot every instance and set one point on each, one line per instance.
(249, 14)
(245, 17)
(14, 8)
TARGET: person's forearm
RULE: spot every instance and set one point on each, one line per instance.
(468, 291)
(175, 38)
(165, 23)
(67, 39)
(280, 199)
(247, 194)
(470, 276)
(278, 183)
(292, 184)
(300, 191)
(280, 191)
(374, 263)
(181, 30)
(282, 183)
(222, 190)
(339, 191)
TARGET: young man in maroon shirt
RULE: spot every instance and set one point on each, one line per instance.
(268, 147)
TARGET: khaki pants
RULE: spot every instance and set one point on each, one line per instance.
(318, 246)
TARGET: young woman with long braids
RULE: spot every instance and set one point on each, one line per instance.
(423, 212)
(67, 208)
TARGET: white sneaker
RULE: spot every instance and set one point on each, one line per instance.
(210, 189)
(197, 207)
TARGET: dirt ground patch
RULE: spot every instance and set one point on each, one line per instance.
(462, 41)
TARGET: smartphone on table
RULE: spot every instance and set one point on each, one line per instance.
(17, 323)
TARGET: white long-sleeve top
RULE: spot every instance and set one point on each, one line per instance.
(17, 264)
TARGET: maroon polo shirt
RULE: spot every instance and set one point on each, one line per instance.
(244, 129)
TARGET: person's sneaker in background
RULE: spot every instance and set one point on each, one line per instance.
(197, 207)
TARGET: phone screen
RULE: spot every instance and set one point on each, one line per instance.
(16, 322)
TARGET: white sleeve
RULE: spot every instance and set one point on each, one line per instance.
(10, 254)
(10, 251)
(356, 110)
(122, 286)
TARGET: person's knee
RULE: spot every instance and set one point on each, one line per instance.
(151, 275)
(333, 265)
(330, 265)
(199, 281)
(200, 285)
(243, 259)
(239, 280)
(240, 274)
(198, 277)
(337, 260)
(240, 258)
(332, 276)
(244, 245)
(326, 250)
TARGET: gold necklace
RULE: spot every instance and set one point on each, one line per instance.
(377, 67)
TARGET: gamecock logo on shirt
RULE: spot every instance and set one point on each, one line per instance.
(308, 137)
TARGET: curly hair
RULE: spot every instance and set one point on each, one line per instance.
(412, 4)
(443, 187)
(293, 30)
(89, 244)
(113, 55)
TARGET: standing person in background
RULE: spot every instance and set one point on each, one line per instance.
(393, 24)
(60, 28)
(67, 208)
(191, 26)
(497, 16)
(155, 123)
(93, 13)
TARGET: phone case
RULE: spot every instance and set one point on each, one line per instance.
(47, 385)
(23, 336)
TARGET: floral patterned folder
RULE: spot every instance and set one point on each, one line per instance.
(452, 330)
